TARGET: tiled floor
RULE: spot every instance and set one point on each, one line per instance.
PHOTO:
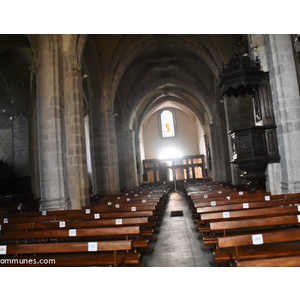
(177, 244)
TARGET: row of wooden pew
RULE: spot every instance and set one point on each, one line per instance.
(115, 230)
(246, 229)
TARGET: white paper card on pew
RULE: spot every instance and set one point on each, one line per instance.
(87, 211)
(228, 197)
(62, 224)
(108, 203)
(245, 205)
(298, 207)
(144, 201)
(3, 249)
(118, 221)
(219, 192)
(72, 232)
(298, 216)
(133, 208)
(44, 213)
(97, 216)
(149, 195)
(126, 194)
(205, 196)
(92, 246)
(117, 206)
(5, 220)
(0, 226)
(267, 198)
(241, 193)
(226, 214)
(213, 203)
(19, 206)
(128, 199)
(257, 239)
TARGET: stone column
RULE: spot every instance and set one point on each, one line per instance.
(76, 161)
(104, 148)
(130, 160)
(50, 126)
(286, 102)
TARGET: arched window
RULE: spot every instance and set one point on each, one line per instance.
(167, 123)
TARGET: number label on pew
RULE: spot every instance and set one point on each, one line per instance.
(62, 224)
(44, 213)
(241, 193)
(118, 221)
(97, 216)
(228, 197)
(226, 214)
(5, 220)
(133, 208)
(213, 203)
(245, 205)
(205, 196)
(117, 205)
(267, 198)
(257, 239)
(72, 232)
(3, 250)
(87, 211)
(92, 246)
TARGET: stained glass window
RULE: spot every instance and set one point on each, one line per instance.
(167, 124)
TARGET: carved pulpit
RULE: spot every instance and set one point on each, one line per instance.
(250, 119)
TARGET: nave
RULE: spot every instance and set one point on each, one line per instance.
(177, 243)
(202, 224)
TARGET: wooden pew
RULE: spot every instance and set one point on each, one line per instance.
(256, 246)
(247, 205)
(233, 227)
(251, 213)
(224, 226)
(288, 261)
(63, 251)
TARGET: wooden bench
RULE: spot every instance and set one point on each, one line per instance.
(63, 253)
(251, 213)
(253, 246)
(140, 237)
(289, 261)
(290, 220)
(247, 205)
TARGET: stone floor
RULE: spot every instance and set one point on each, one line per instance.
(177, 244)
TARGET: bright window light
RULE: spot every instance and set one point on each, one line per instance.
(169, 153)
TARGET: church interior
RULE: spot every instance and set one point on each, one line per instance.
(129, 150)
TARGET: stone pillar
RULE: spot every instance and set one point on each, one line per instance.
(50, 126)
(104, 148)
(219, 168)
(76, 161)
(286, 103)
(130, 160)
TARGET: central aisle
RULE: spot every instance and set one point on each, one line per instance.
(177, 244)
